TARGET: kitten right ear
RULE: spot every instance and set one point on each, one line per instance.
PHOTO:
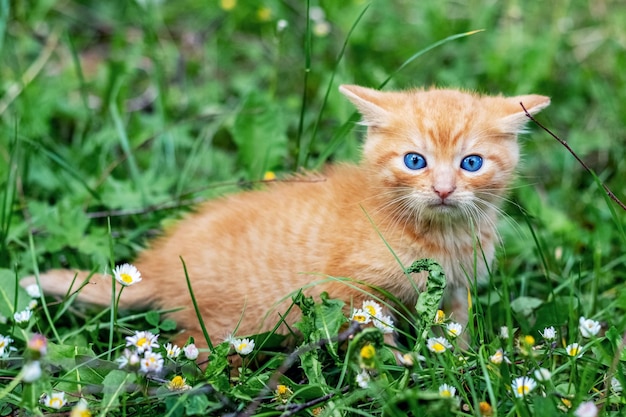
(367, 102)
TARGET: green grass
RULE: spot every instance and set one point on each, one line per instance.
(117, 116)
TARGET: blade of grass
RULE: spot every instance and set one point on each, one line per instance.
(44, 306)
(305, 84)
(125, 144)
(195, 306)
(330, 86)
(8, 198)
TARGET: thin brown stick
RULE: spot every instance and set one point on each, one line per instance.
(580, 161)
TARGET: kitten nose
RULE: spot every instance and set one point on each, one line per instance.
(444, 192)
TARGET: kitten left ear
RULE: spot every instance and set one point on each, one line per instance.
(515, 118)
(367, 102)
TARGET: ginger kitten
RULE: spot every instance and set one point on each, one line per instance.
(435, 165)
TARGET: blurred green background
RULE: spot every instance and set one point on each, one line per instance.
(135, 110)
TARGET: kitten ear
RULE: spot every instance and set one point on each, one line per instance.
(368, 103)
(515, 118)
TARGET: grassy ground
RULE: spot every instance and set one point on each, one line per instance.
(116, 116)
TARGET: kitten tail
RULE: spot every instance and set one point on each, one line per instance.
(90, 288)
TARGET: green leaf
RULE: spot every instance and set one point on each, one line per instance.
(153, 318)
(197, 405)
(526, 305)
(115, 385)
(429, 301)
(259, 132)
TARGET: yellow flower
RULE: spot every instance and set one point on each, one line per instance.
(529, 340)
(485, 409)
(269, 176)
(368, 352)
(440, 316)
(228, 5)
(264, 14)
(178, 383)
(283, 393)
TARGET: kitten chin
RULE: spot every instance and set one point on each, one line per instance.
(435, 166)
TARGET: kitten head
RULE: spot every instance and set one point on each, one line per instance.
(441, 153)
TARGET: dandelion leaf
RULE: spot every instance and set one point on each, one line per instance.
(429, 301)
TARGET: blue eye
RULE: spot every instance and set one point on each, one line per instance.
(472, 163)
(414, 161)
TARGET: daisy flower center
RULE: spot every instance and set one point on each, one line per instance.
(371, 310)
(142, 342)
(446, 393)
(523, 390)
(56, 402)
(126, 278)
(438, 347)
(241, 346)
(360, 318)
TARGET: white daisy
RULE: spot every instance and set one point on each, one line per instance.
(504, 333)
(363, 379)
(586, 409)
(31, 371)
(454, 329)
(173, 351)
(373, 308)
(384, 323)
(616, 385)
(447, 391)
(152, 362)
(361, 316)
(574, 350)
(588, 328)
(55, 400)
(22, 318)
(549, 333)
(243, 346)
(33, 291)
(5, 342)
(142, 341)
(542, 374)
(128, 358)
(438, 344)
(498, 357)
(126, 274)
(522, 386)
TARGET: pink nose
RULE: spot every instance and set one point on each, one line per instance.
(443, 193)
